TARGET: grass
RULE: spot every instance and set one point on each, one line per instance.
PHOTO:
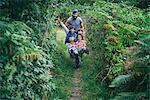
(64, 72)
(63, 69)
(90, 89)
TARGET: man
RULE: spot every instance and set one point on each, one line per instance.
(75, 21)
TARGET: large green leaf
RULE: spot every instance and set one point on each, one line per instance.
(120, 80)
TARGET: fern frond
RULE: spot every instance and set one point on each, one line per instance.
(140, 67)
(22, 28)
(140, 43)
(120, 80)
(125, 96)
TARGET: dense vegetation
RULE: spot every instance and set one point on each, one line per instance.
(120, 52)
(32, 62)
(26, 45)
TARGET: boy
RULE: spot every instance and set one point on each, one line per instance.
(71, 38)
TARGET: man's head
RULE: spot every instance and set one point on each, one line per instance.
(75, 14)
(71, 29)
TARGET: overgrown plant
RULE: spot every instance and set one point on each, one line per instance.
(135, 84)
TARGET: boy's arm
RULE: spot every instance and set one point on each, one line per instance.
(64, 27)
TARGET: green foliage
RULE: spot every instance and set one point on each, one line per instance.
(63, 72)
(138, 3)
(111, 29)
(27, 54)
(138, 81)
(25, 50)
(26, 68)
(120, 80)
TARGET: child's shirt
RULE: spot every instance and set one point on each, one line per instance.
(69, 36)
(81, 44)
(71, 46)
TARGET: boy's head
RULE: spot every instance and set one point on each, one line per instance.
(71, 29)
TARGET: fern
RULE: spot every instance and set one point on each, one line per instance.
(139, 76)
(121, 80)
(32, 63)
(125, 96)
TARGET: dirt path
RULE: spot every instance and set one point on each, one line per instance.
(76, 85)
(77, 76)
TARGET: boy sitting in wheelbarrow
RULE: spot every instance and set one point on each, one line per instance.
(75, 43)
